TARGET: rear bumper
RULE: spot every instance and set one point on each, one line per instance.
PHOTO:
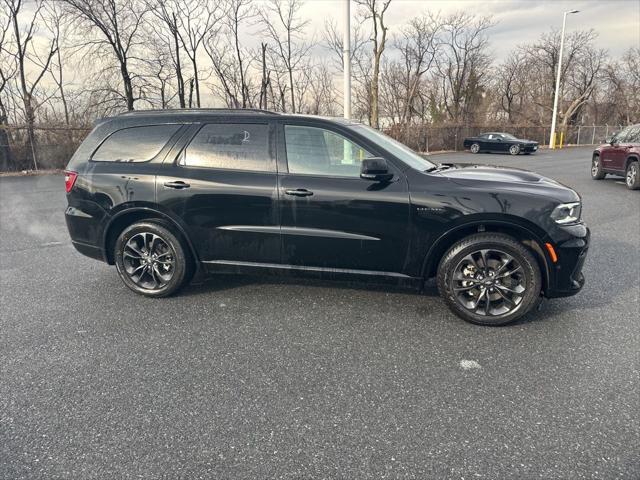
(85, 232)
(567, 278)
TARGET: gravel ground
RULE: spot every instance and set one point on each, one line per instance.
(246, 377)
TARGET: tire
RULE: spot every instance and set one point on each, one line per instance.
(514, 149)
(632, 175)
(481, 287)
(158, 276)
(596, 168)
(475, 148)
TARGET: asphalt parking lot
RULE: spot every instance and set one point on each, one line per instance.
(245, 377)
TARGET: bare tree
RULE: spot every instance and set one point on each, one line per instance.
(461, 64)
(231, 62)
(375, 11)
(167, 11)
(282, 24)
(7, 71)
(199, 18)
(361, 63)
(418, 46)
(118, 23)
(511, 84)
(32, 64)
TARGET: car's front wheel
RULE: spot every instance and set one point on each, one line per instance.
(596, 168)
(514, 149)
(475, 148)
(151, 260)
(632, 176)
(489, 279)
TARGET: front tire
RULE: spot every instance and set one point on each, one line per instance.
(475, 148)
(632, 176)
(489, 279)
(151, 260)
(514, 149)
(596, 168)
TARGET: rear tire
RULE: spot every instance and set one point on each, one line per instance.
(632, 175)
(489, 279)
(596, 168)
(151, 260)
(475, 148)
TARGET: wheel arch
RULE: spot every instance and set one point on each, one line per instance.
(127, 217)
(633, 157)
(523, 233)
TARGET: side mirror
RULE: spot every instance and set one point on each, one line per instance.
(375, 169)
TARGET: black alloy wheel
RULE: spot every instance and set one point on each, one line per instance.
(489, 279)
(151, 260)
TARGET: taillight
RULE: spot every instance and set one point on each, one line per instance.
(69, 180)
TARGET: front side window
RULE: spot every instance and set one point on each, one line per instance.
(134, 144)
(231, 147)
(316, 151)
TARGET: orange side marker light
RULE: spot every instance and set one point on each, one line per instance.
(552, 252)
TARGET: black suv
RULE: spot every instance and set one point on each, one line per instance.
(166, 194)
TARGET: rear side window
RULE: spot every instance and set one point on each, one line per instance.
(230, 146)
(135, 144)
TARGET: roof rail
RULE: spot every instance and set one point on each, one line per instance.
(200, 110)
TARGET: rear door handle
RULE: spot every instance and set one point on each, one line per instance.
(178, 184)
(299, 192)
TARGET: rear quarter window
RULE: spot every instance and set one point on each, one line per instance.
(134, 144)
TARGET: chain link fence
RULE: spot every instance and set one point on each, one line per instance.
(52, 147)
(429, 138)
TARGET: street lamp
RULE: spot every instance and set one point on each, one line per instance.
(552, 138)
(346, 57)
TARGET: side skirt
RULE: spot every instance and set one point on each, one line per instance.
(256, 268)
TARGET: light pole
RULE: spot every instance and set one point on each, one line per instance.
(552, 138)
(346, 58)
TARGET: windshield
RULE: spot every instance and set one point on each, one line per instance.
(401, 151)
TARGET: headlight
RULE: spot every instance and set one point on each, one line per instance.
(567, 213)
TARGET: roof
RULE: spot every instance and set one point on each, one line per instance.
(204, 112)
(200, 111)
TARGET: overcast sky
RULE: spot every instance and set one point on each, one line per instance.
(519, 21)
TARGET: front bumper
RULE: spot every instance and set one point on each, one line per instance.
(567, 278)
(530, 147)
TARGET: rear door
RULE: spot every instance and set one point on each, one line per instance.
(330, 217)
(222, 186)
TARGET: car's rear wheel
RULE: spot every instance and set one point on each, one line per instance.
(514, 149)
(632, 176)
(596, 168)
(489, 279)
(475, 148)
(151, 260)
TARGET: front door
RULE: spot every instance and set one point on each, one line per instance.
(222, 187)
(330, 217)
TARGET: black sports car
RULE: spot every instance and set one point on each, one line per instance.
(500, 142)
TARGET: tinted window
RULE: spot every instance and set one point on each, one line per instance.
(135, 144)
(316, 151)
(230, 146)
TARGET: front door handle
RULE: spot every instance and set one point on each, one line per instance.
(299, 192)
(178, 184)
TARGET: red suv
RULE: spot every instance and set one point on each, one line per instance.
(619, 156)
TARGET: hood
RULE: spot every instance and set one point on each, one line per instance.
(492, 177)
